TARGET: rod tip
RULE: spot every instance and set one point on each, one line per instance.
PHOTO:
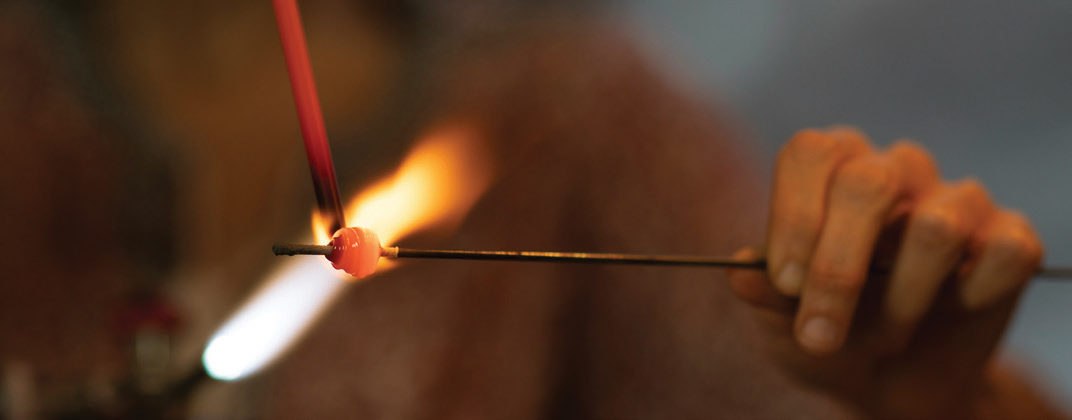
(280, 248)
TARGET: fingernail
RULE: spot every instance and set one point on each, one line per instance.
(819, 334)
(791, 279)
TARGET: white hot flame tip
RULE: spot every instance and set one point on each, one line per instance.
(273, 318)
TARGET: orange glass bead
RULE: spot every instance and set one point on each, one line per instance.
(355, 250)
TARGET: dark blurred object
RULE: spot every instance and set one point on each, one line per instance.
(147, 324)
(86, 214)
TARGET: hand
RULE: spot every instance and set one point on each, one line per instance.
(886, 287)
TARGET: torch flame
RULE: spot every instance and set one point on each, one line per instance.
(436, 185)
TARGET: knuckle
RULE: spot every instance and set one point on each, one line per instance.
(918, 164)
(1017, 243)
(907, 147)
(866, 178)
(848, 132)
(938, 227)
(812, 145)
(912, 151)
(970, 186)
(972, 190)
(1017, 221)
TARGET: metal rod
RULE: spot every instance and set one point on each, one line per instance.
(1054, 273)
(579, 257)
(300, 249)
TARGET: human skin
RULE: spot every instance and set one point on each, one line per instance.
(917, 341)
(596, 153)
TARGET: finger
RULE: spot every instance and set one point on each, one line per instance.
(1009, 253)
(753, 287)
(936, 239)
(916, 169)
(918, 177)
(861, 195)
(804, 169)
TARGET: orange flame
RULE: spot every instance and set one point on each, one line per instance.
(436, 185)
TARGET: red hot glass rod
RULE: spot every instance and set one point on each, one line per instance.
(309, 116)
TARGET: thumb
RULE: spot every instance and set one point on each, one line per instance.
(754, 287)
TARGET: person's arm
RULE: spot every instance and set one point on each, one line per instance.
(888, 288)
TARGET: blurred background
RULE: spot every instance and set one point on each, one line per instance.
(150, 151)
(982, 84)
